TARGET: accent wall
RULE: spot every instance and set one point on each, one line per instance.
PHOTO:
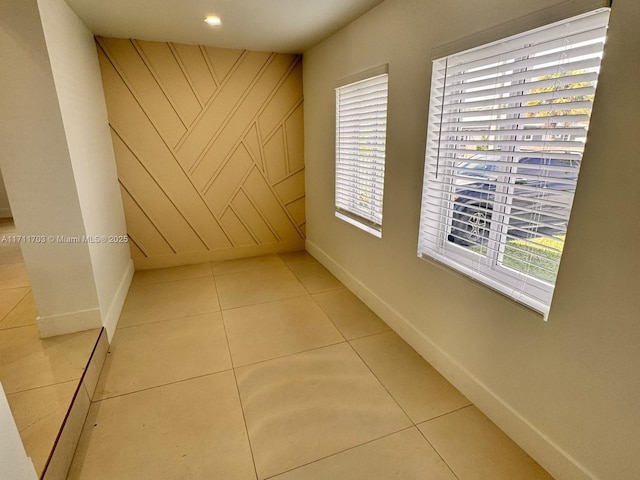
(209, 149)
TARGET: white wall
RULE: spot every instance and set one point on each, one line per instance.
(38, 174)
(57, 160)
(5, 208)
(76, 73)
(565, 389)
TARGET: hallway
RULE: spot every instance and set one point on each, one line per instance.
(269, 367)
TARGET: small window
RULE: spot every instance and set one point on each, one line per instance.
(361, 130)
(507, 126)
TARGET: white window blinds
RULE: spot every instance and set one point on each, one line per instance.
(361, 128)
(507, 127)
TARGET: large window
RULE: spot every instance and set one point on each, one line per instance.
(507, 126)
(361, 128)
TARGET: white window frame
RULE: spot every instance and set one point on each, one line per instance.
(443, 157)
(359, 174)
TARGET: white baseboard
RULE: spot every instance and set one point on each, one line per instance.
(113, 313)
(70, 322)
(553, 458)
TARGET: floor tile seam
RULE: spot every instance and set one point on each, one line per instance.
(215, 287)
(330, 319)
(266, 267)
(17, 303)
(42, 386)
(293, 298)
(422, 422)
(453, 472)
(139, 285)
(309, 291)
(341, 451)
(16, 326)
(167, 319)
(415, 422)
(147, 284)
(383, 385)
(15, 288)
(262, 303)
(289, 354)
(302, 262)
(244, 418)
(160, 385)
(343, 287)
(333, 289)
(371, 334)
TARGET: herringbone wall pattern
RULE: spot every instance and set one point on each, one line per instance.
(209, 149)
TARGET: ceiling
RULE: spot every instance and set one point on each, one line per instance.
(287, 26)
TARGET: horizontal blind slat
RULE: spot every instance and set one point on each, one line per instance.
(507, 126)
(361, 113)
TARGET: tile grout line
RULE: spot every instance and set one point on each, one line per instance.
(253, 269)
(334, 324)
(380, 381)
(16, 286)
(371, 334)
(445, 414)
(316, 293)
(342, 451)
(342, 286)
(215, 287)
(382, 384)
(244, 418)
(6, 329)
(15, 306)
(330, 319)
(161, 282)
(289, 354)
(436, 450)
(42, 386)
(159, 385)
(263, 302)
(168, 319)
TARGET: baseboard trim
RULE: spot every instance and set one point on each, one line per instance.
(70, 322)
(174, 260)
(552, 457)
(115, 308)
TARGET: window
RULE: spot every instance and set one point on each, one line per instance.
(361, 129)
(507, 127)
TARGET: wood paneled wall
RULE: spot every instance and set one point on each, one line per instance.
(209, 149)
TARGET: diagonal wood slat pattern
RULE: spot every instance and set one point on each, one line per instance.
(209, 149)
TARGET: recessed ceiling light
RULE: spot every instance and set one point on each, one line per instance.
(214, 21)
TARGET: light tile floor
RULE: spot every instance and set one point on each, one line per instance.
(270, 368)
(39, 376)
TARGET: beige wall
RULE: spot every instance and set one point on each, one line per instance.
(209, 149)
(566, 389)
